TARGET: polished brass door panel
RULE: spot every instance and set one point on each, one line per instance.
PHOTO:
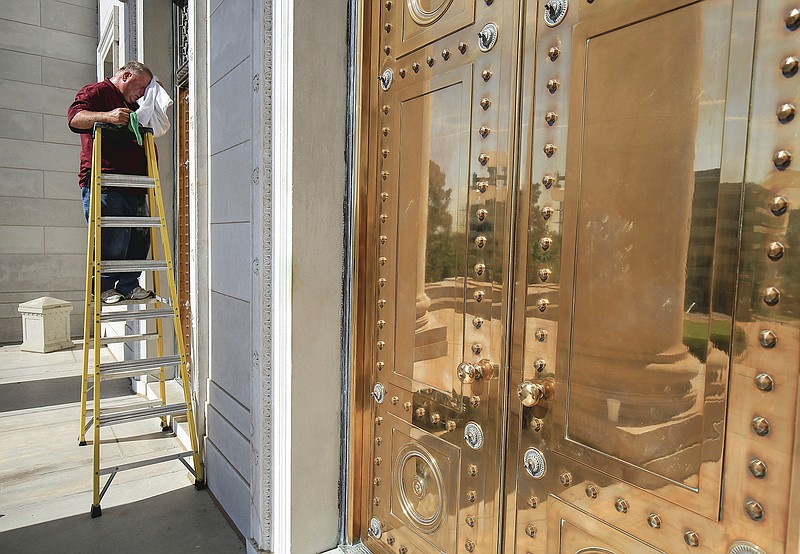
(440, 237)
(421, 22)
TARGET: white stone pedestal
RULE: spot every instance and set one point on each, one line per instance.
(45, 325)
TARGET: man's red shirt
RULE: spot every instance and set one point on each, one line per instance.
(120, 152)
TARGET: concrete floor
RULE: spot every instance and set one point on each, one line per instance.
(45, 477)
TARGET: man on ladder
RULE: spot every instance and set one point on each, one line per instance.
(112, 101)
(122, 200)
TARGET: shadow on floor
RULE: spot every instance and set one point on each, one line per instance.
(181, 521)
(52, 392)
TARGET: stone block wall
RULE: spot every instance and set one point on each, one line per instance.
(47, 52)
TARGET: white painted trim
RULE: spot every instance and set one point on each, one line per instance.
(282, 89)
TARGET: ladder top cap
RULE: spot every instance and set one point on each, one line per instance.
(120, 128)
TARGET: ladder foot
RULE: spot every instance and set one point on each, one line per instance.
(81, 443)
(199, 485)
(96, 511)
(166, 428)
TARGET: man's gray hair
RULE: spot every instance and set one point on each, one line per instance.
(137, 68)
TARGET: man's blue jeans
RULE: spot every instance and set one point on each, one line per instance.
(120, 243)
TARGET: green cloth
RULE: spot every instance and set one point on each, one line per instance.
(133, 125)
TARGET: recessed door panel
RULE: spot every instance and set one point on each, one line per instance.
(422, 22)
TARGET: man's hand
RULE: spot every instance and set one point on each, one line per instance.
(118, 116)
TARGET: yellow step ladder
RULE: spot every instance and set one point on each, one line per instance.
(157, 309)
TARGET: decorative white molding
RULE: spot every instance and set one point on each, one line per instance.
(281, 84)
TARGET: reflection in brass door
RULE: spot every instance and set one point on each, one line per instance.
(579, 297)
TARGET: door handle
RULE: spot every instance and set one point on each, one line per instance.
(469, 373)
(530, 394)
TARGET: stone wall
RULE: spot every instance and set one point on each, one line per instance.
(47, 52)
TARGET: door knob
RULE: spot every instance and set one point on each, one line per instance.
(531, 394)
(469, 373)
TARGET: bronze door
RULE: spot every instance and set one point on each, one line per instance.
(577, 296)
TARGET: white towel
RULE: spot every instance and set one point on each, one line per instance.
(153, 108)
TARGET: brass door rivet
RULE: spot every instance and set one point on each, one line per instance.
(792, 19)
(395, 400)
(691, 538)
(764, 382)
(378, 441)
(477, 322)
(591, 491)
(782, 159)
(552, 85)
(761, 426)
(470, 520)
(462, 47)
(385, 109)
(550, 118)
(390, 540)
(376, 481)
(445, 54)
(480, 241)
(547, 213)
(785, 113)
(379, 366)
(385, 153)
(654, 521)
(471, 496)
(475, 401)
(539, 365)
(378, 460)
(384, 175)
(388, 5)
(378, 420)
(420, 413)
(388, 27)
(472, 470)
(482, 213)
(387, 49)
(486, 74)
(381, 302)
(545, 243)
(778, 205)
(484, 131)
(407, 406)
(536, 424)
(758, 468)
(544, 274)
(548, 181)
(565, 478)
(384, 218)
(768, 339)
(755, 510)
(477, 348)
(483, 159)
(415, 67)
(385, 131)
(542, 304)
(530, 530)
(621, 505)
(430, 61)
(381, 343)
(549, 149)
(451, 426)
(480, 268)
(541, 335)
(469, 546)
(533, 502)
(436, 419)
(478, 296)
(485, 103)
(377, 501)
(553, 53)
(402, 72)
(775, 251)
(403, 550)
(384, 196)
(482, 186)
(789, 66)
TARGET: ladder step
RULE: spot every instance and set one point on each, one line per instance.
(142, 413)
(125, 338)
(133, 265)
(142, 463)
(129, 315)
(127, 181)
(121, 221)
(130, 368)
